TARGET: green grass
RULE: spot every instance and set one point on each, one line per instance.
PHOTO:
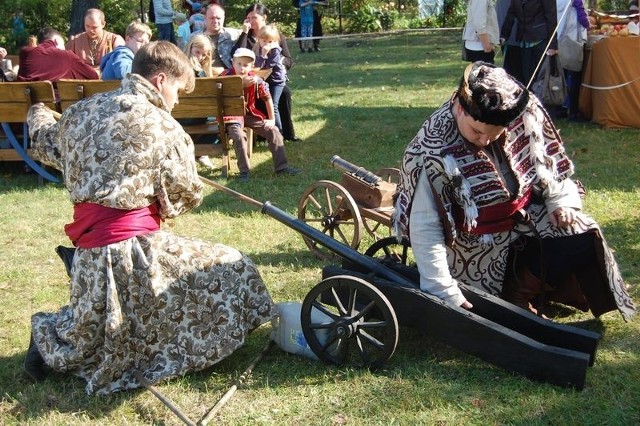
(363, 99)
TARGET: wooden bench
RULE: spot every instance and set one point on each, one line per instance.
(15, 101)
(212, 97)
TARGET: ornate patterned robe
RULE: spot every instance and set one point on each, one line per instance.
(158, 303)
(464, 179)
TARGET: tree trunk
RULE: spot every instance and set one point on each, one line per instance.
(78, 8)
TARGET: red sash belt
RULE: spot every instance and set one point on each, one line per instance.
(96, 226)
(496, 218)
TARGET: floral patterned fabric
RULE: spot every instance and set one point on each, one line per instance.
(157, 303)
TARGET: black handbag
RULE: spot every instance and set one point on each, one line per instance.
(551, 87)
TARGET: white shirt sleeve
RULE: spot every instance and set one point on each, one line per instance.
(427, 241)
(566, 195)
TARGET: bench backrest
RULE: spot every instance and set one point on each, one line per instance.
(212, 97)
(15, 101)
(71, 91)
(16, 98)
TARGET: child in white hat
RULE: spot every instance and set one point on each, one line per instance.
(262, 123)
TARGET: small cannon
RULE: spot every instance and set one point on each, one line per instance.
(349, 317)
(362, 201)
(367, 189)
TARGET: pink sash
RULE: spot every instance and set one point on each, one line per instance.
(96, 226)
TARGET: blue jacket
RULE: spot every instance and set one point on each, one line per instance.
(116, 64)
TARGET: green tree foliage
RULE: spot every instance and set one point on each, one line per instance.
(120, 13)
(78, 9)
(282, 13)
(35, 15)
(56, 14)
(357, 16)
(621, 6)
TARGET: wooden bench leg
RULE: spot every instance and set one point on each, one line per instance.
(225, 163)
(249, 133)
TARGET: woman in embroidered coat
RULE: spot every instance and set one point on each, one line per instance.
(141, 298)
(483, 184)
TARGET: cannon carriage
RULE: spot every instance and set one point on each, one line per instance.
(353, 315)
(361, 202)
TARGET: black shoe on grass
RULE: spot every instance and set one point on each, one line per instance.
(35, 367)
(289, 171)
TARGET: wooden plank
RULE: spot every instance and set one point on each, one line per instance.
(209, 128)
(504, 313)
(208, 149)
(203, 100)
(528, 324)
(15, 100)
(9, 154)
(17, 97)
(207, 107)
(210, 97)
(71, 91)
(382, 215)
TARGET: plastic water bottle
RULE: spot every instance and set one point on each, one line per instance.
(287, 329)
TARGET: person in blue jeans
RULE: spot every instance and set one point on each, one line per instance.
(270, 57)
(164, 20)
(306, 23)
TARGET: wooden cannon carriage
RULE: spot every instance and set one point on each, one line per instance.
(353, 315)
(362, 201)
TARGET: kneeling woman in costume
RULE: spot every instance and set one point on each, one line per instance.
(486, 199)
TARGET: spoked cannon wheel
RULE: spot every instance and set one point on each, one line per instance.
(346, 320)
(389, 250)
(328, 207)
(377, 230)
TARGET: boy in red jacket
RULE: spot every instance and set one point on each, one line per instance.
(255, 88)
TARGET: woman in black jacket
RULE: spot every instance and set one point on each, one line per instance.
(536, 22)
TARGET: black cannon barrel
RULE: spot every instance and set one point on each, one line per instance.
(335, 246)
(359, 172)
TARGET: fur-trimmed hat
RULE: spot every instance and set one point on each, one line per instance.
(490, 95)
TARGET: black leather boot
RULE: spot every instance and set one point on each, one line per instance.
(34, 364)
